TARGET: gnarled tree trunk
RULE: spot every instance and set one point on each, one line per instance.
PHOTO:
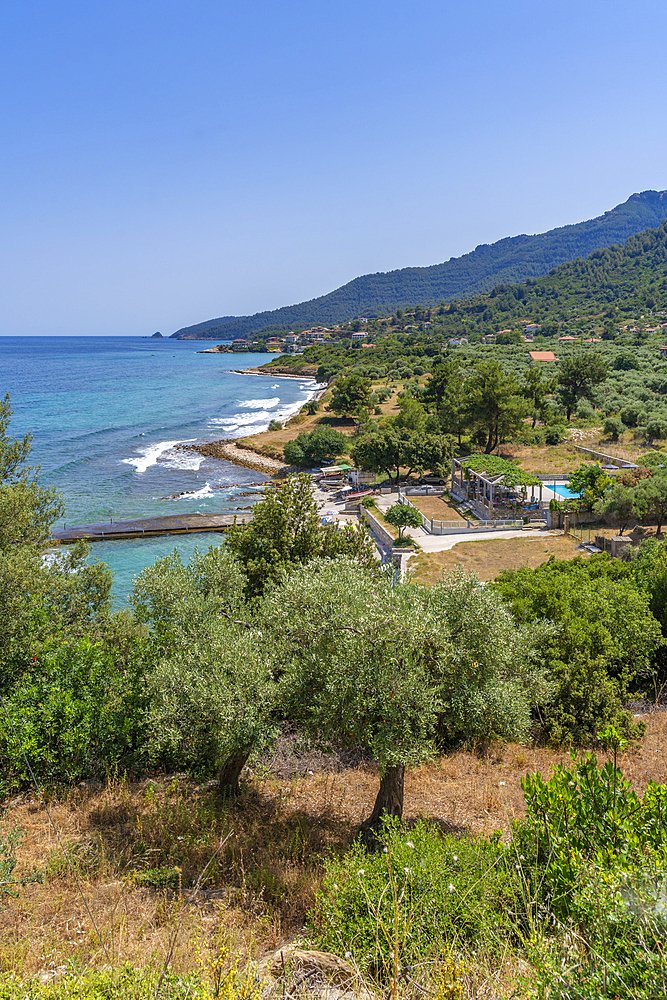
(230, 772)
(389, 802)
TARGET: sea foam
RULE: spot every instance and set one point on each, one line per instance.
(259, 404)
(153, 452)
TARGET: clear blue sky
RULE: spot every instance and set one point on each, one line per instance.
(167, 162)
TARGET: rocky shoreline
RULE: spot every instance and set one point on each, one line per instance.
(231, 452)
(276, 372)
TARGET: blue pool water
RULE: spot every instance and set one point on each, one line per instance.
(561, 490)
(108, 413)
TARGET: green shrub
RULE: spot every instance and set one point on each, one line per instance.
(614, 427)
(159, 878)
(614, 944)
(532, 435)
(594, 861)
(275, 425)
(585, 814)
(78, 714)
(607, 637)
(585, 411)
(425, 894)
(554, 434)
(312, 449)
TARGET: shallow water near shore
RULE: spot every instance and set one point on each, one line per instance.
(108, 415)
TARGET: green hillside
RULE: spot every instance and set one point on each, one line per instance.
(510, 260)
(618, 294)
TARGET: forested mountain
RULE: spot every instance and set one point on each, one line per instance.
(510, 260)
(617, 279)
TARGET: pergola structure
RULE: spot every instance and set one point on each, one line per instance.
(491, 483)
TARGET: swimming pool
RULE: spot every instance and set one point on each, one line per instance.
(561, 490)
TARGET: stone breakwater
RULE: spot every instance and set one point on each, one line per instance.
(231, 452)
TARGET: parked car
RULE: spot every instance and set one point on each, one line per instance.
(432, 480)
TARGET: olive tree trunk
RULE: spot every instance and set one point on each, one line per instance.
(230, 772)
(389, 802)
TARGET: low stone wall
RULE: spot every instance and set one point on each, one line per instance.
(600, 456)
(377, 527)
(556, 518)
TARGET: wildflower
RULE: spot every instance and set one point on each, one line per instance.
(455, 857)
(502, 784)
(451, 887)
(409, 843)
(361, 872)
(348, 954)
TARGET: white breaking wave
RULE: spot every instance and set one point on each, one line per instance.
(152, 454)
(189, 460)
(259, 404)
(149, 456)
(240, 424)
(259, 420)
(205, 491)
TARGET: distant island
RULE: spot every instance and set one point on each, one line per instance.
(158, 334)
(509, 261)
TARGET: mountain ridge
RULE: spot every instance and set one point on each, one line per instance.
(512, 259)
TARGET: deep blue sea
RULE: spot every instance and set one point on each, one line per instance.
(107, 413)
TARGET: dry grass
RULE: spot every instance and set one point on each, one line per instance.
(564, 458)
(544, 460)
(267, 874)
(488, 558)
(437, 508)
(271, 443)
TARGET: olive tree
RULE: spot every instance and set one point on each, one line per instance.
(212, 689)
(398, 668)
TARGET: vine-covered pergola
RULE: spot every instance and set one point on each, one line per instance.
(489, 481)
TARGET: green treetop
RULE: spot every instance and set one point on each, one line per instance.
(578, 375)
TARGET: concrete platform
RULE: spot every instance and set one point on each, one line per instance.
(147, 527)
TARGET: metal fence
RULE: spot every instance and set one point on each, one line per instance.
(436, 527)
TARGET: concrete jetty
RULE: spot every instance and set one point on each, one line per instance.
(149, 527)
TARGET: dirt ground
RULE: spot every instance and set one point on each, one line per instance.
(487, 558)
(266, 874)
(437, 508)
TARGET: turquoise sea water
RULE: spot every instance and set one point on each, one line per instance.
(108, 413)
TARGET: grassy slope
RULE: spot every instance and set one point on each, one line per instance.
(269, 870)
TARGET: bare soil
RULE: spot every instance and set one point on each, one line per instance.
(437, 508)
(487, 558)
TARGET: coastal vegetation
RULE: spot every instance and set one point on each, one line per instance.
(192, 745)
(292, 627)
